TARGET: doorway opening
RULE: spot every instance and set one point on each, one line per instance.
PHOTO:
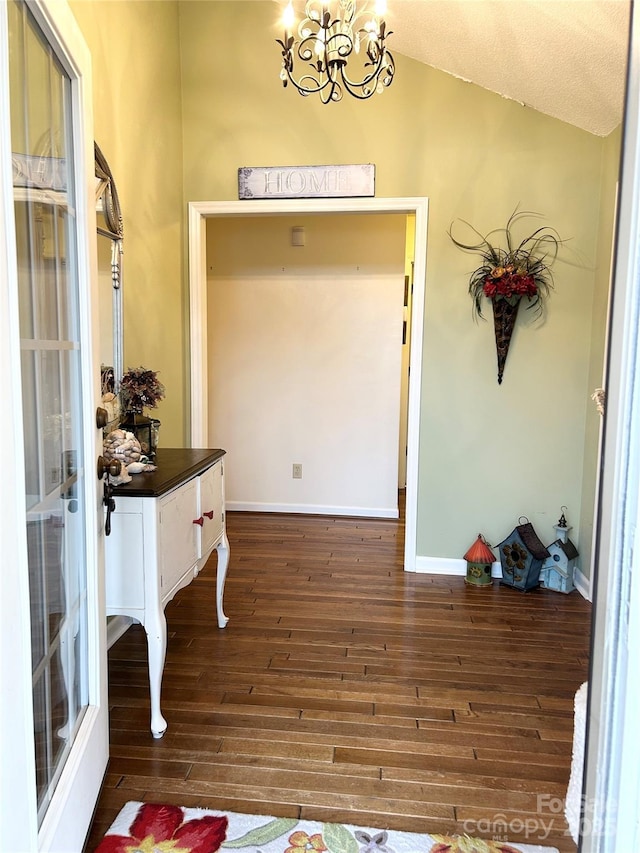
(416, 208)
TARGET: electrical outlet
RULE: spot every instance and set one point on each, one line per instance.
(297, 471)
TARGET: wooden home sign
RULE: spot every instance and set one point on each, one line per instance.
(306, 181)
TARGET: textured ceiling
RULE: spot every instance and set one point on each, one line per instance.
(565, 58)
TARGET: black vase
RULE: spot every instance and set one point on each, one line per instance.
(504, 321)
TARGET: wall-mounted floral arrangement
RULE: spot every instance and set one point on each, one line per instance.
(509, 273)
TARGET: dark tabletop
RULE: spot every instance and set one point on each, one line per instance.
(175, 465)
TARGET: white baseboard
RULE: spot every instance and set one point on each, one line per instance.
(116, 627)
(313, 509)
(449, 566)
(582, 584)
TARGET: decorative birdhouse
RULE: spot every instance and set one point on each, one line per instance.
(558, 569)
(479, 559)
(521, 557)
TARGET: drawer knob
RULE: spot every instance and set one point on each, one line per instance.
(199, 521)
(209, 514)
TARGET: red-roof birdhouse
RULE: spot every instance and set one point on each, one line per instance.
(479, 559)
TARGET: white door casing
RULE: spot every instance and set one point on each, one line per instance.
(611, 791)
(199, 212)
(64, 825)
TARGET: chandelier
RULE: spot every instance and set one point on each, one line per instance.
(332, 39)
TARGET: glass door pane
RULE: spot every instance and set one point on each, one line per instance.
(52, 392)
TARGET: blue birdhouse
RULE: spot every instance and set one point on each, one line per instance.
(521, 557)
(558, 569)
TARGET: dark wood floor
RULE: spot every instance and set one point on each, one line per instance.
(344, 689)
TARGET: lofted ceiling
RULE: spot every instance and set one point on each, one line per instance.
(565, 58)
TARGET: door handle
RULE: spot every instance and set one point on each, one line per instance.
(109, 501)
(199, 521)
(102, 418)
(107, 466)
(105, 469)
(209, 514)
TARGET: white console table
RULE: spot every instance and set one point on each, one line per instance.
(164, 528)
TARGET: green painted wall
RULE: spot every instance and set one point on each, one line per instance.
(488, 453)
(136, 82)
(186, 92)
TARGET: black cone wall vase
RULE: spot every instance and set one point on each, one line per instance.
(504, 320)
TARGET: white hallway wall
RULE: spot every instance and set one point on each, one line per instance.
(304, 360)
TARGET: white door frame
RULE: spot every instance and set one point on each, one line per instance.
(69, 814)
(200, 211)
(18, 807)
(611, 791)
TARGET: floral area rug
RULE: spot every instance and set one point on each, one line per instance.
(149, 828)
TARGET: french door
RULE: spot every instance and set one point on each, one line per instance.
(52, 627)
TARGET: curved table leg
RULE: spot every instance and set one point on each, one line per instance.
(221, 574)
(156, 630)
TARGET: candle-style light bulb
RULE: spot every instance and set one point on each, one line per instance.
(288, 17)
(381, 8)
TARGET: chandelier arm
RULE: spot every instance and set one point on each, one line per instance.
(364, 93)
(385, 77)
(334, 94)
(308, 83)
(318, 85)
(305, 48)
(330, 90)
